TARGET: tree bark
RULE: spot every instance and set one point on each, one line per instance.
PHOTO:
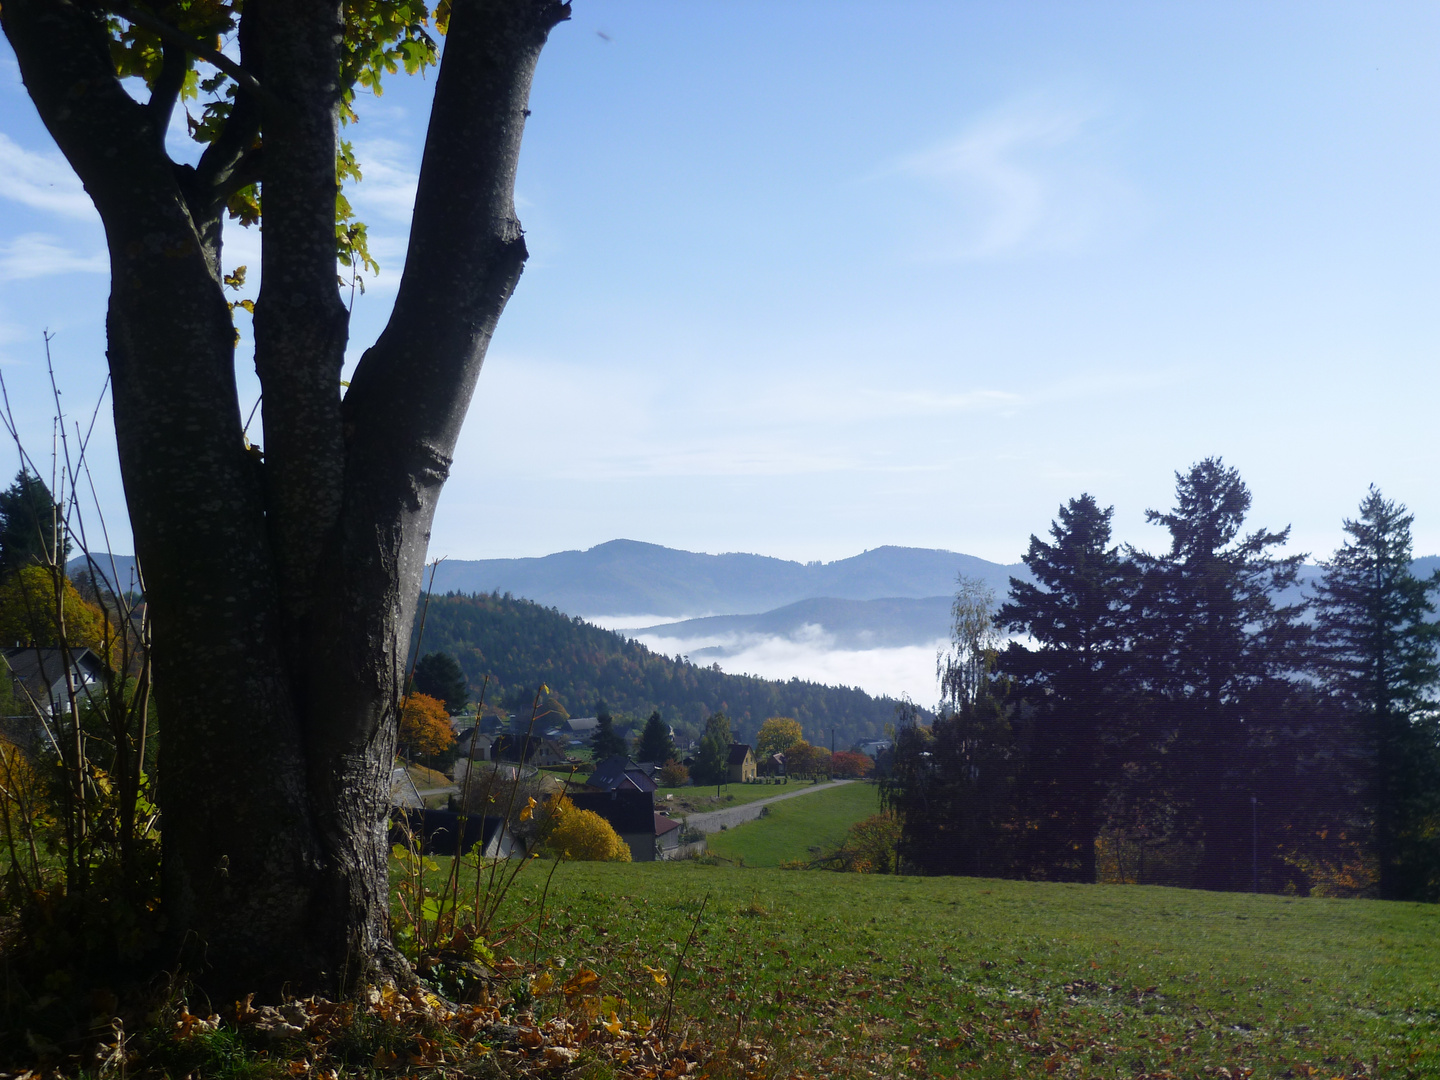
(282, 593)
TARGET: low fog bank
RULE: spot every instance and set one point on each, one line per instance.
(813, 654)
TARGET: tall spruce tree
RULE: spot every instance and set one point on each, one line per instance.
(656, 745)
(713, 756)
(28, 520)
(606, 742)
(438, 674)
(1070, 682)
(1218, 659)
(1376, 649)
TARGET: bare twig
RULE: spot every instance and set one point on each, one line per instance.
(675, 973)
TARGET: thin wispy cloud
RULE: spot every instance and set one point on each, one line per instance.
(37, 255)
(1023, 179)
(390, 180)
(42, 181)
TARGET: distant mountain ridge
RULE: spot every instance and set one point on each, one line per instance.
(628, 577)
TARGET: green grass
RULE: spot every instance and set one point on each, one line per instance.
(851, 975)
(702, 799)
(798, 829)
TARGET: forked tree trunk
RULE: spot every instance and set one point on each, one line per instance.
(282, 591)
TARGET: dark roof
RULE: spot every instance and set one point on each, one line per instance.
(664, 824)
(627, 811)
(620, 772)
(41, 670)
(738, 751)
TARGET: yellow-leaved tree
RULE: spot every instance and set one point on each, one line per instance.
(777, 735)
(27, 612)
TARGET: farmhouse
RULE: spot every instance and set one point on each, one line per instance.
(740, 767)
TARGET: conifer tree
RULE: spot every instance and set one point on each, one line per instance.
(1070, 680)
(1217, 659)
(28, 519)
(656, 745)
(713, 757)
(606, 742)
(438, 674)
(1376, 649)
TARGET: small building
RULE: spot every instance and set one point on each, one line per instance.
(774, 765)
(667, 837)
(40, 677)
(474, 744)
(581, 729)
(43, 689)
(740, 766)
(439, 833)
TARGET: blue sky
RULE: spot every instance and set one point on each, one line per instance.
(810, 278)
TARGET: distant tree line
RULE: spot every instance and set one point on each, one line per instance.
(521, 644)
(1166, 718)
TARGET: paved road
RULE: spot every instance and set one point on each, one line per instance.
(733, 815)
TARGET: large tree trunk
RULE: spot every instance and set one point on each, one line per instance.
(282, 592)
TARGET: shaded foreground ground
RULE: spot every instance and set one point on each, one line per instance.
(819, 974)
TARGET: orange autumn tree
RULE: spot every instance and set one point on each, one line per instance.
(425, 725)
(848, 763)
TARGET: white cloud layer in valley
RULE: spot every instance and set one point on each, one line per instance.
(812, 655)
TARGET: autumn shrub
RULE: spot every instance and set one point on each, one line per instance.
(674, 774)
(1341, 869)
(848, 764)
(580, 835)
(869, 848)
(803, 759)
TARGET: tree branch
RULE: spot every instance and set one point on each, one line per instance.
(236, 149)
(466, 247)
(167, 88)
(108, 138)
(173, 36)
(409, 396)
(301, 325)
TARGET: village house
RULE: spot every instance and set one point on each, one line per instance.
(620, 773)
(740, 767)
(43, 688)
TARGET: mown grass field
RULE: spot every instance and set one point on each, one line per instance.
(799, 828)
(808, 973)
(699, 800)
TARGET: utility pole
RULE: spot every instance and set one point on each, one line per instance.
(1254, 847)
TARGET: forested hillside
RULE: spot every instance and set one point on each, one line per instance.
(521, 644)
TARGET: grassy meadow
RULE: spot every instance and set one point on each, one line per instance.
(809, 973)
(700, 799)
(799, 828)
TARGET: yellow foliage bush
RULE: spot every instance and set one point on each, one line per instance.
(581, 835)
